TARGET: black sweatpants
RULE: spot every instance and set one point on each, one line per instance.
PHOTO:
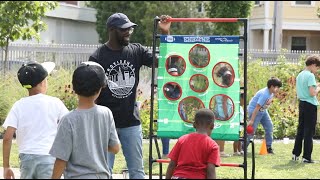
(306, 129)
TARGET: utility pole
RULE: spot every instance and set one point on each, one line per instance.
(277, 25)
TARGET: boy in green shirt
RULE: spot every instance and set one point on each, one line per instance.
(307, 90)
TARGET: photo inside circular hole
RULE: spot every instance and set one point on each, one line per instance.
(199, 56)
(223, 74)
(222, 107)
(187, 108)
(175, 65)
(172, 91)
(199, 83)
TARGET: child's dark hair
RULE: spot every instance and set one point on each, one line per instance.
(204, 117)
(222, 70)
(88, 79)
(273, 81)
(313, 59)
(226, 75)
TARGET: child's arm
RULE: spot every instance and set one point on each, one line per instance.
(172, 165)
(225, 106)
(211, 171)
(114, 142)
(254, 114)
(114, 149)
(314, 90)
(7, 142)
(58, 168)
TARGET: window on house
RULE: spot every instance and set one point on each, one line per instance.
(299, 43)
(303, 2)
(257, 3)
(200, 8)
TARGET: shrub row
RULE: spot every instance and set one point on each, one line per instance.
(283, 111)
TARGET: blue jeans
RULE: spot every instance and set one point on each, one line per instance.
(33, 166)
(131, 143)
(265, 120)
(165, 145)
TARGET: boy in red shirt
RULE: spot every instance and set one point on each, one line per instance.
(195, 155)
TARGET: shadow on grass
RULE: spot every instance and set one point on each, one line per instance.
(289, 165)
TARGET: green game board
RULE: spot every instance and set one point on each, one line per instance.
(208, 54)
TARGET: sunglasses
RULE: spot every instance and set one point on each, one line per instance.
(130, 29)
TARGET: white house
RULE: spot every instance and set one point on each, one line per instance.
(70, 23)
(299, 30)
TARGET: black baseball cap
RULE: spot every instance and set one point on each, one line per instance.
(88, 78)
(32, 73)
(119, 20)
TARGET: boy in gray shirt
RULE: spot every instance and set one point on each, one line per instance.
(86, 134)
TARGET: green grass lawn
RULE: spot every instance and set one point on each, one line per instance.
(277, 166)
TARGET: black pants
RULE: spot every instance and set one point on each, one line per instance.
(306, 129)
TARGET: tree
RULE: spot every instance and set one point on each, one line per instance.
(21, 19)
(133, 9)
(176, 9)
(228, 9)
(143, 13)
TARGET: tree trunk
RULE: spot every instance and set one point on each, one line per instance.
(6, 53)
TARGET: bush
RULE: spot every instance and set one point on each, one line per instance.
(60, 86)
(11, 90)
(283, 111)
(145, 118)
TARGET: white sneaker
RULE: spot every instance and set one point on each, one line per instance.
(295, 158)
(307, 160)
(164, 156)
(223, 154)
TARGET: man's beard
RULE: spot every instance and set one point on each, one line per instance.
(124, 42)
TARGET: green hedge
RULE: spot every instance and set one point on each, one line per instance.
(59, 85)
(284, 108)
(283, 111)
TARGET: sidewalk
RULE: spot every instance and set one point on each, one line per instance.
(16, 172)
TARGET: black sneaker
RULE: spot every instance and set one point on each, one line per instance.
(307, 160)
(294, 157)
(270, 150)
